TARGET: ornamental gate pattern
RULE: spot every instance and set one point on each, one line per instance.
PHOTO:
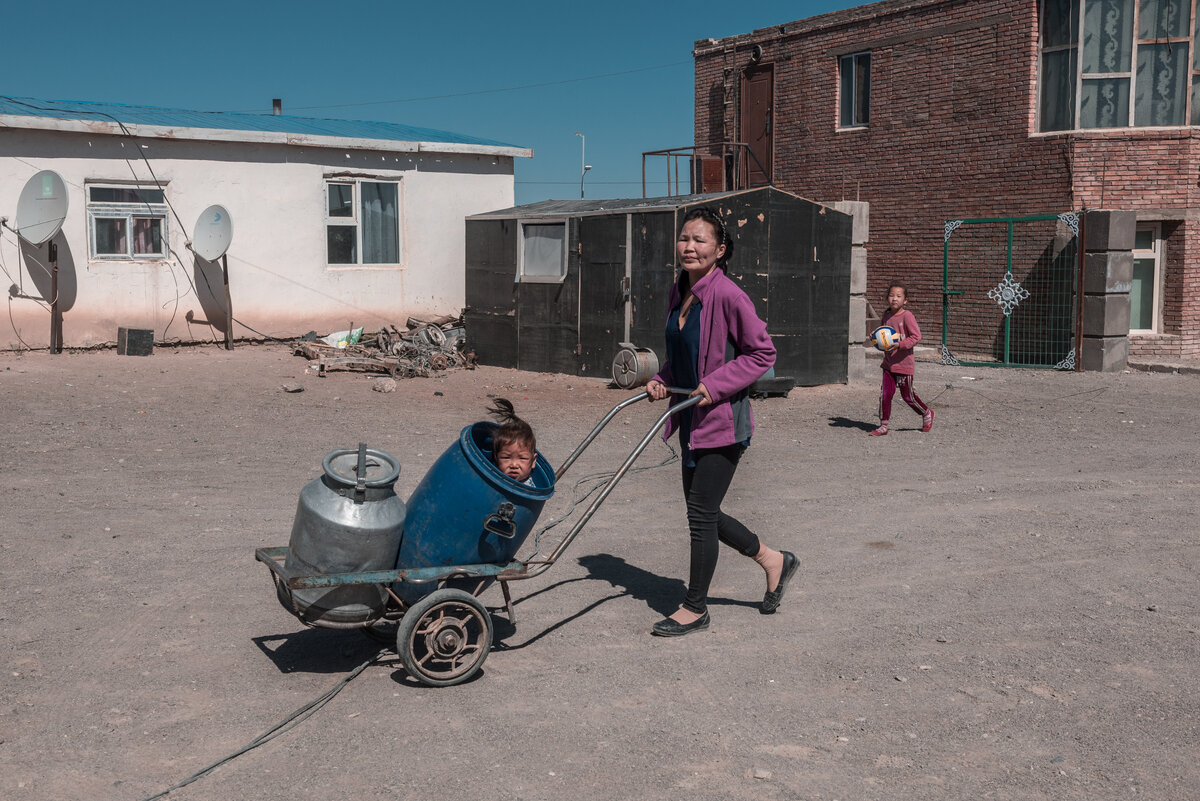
(1009, 291)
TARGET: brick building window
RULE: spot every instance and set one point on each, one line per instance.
(1118, 63)
(854, 72)
(1145, 294)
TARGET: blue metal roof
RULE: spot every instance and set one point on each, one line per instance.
(233, 121)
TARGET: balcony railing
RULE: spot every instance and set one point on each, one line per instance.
(715, 167)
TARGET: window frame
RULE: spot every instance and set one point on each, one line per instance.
(847, 79)
(1155, 254)
(355, 220)
(129, 212)
(522, 277)
(1190, 91)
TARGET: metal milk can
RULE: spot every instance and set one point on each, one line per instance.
(348, 520)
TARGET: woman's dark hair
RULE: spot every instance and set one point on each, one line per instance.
(710, 216)
(512, 429)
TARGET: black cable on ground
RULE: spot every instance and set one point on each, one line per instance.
(292, 720)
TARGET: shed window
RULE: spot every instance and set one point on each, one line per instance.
(127, 223)
(362, 222)
(855, 94)
(543, 251)
(1118, 63)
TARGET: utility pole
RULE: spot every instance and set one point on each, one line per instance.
(583, 165)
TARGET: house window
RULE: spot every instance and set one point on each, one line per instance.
(126, 222)
(1145, 294)
(855, 106)
(362, 222)
(1118, 63)
(543, 252)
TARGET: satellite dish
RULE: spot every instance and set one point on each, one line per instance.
(42, 207)
(214, 232)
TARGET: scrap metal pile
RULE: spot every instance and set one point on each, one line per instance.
(426, 347)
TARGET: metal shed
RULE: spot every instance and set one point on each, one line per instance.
(558, 286)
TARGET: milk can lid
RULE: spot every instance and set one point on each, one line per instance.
(379, 469)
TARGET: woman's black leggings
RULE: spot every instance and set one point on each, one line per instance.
(704, 487)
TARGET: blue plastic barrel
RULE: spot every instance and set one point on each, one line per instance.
(466, 511)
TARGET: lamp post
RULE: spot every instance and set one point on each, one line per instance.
(583, 165)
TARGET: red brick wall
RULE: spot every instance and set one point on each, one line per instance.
(951, 135)
(1188, 296)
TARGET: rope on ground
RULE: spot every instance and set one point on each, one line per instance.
(288, 723)
(601, 480)
(1087, 394)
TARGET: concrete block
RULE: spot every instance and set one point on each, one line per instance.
(1109, 230)
(858, 270)
(859, 369)
(860, 210)
(1104, 354)
(1107, 272)
(858, 319)
(1106, 315)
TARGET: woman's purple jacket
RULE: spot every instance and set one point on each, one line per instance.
(735, 351)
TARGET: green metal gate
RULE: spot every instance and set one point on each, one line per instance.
(1009, 291)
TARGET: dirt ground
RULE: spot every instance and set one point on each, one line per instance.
(1004, 608)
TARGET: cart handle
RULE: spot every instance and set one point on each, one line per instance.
(612, 482)
(570, 460)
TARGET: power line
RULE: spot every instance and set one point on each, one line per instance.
(481, 91)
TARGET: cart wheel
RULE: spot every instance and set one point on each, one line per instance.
(444, 638)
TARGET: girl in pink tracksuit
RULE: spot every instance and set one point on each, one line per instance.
(898, 362)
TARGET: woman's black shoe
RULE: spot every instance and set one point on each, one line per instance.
(670, 628)
(771, 600)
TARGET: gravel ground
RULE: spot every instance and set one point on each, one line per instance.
(1003, 608)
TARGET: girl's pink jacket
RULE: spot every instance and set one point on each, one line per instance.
(899, 359)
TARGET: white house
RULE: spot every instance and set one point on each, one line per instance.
(334, 222)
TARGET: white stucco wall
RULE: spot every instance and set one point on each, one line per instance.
(275, 194)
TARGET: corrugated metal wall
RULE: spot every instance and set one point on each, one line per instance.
(791, 256)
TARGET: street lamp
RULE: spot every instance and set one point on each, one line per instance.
(583, 165)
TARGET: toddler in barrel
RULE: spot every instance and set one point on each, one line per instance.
(514, 448)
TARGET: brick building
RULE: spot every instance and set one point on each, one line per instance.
(937, 110)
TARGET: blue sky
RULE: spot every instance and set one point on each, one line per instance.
(436, 65)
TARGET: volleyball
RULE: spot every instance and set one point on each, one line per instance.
(884, 337)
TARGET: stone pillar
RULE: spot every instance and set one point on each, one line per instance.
(856, 361)
(1107, 278)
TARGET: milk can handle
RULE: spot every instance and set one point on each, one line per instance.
(500, 522)
(360, 487)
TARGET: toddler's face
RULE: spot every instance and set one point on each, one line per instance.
(896, 299)
(515, 460)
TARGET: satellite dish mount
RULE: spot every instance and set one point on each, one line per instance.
(41, 209)
(210, 241)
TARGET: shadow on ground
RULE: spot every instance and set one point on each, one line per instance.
(317, 650)
(846, 422)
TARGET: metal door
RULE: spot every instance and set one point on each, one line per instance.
(602, 314)
(1010, 291)
(757, 106)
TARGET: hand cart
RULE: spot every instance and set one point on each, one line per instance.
(444, 637)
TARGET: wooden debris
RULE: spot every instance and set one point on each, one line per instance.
(427, 347)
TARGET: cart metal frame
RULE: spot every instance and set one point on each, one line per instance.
(444, 638)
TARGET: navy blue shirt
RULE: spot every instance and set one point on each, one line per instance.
(683, 354)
